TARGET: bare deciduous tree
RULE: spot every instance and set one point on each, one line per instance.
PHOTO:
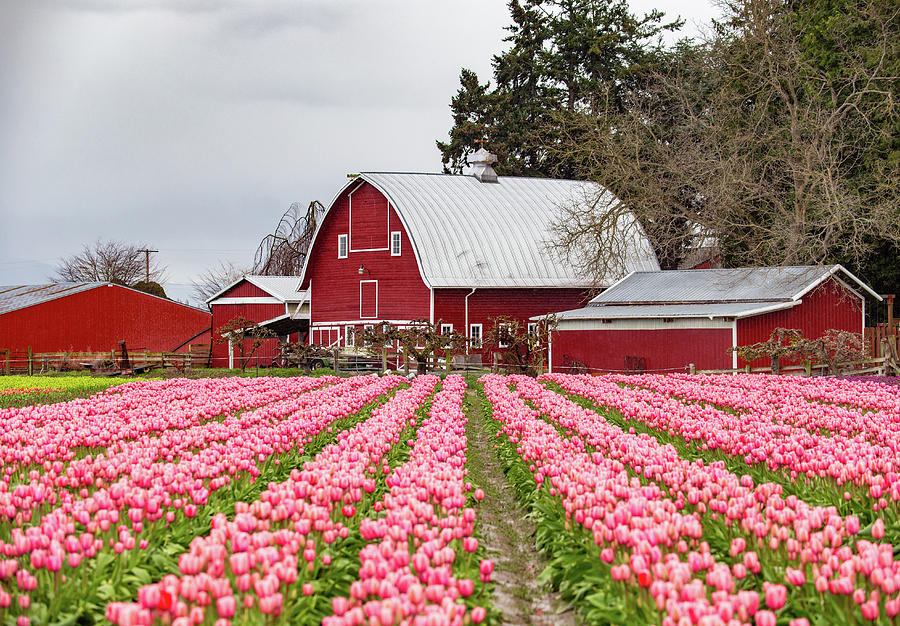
(215, 279)
(283, 252)
(238, 331)
(748, 141)
(524, 346)
(421, 339)
(109, 261)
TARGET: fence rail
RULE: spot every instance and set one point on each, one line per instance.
(28, 362)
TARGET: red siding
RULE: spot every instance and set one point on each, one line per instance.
(97, 319)
(335, 283)
(246, 289)
(484, 304)
(828, 306)
(606, 350)
(224, 313)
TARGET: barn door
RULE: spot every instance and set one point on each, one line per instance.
(368, 299)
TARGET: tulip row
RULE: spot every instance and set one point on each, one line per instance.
(177, 458)
(862, 392)
(788, 400)
(51, 434)
(850, 463)
(250, 567)
(140, 506)
(634, 529)
(411, 574)
(790, 536)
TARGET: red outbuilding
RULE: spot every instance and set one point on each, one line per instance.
(273, 302)
(456, 248)
(663, 321)
(94, 317)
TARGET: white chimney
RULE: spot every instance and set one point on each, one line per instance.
(481, 166)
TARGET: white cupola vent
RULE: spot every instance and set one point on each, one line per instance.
(481, 166)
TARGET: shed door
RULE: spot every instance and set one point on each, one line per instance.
(368, 299)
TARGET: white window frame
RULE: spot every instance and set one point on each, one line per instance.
(501, 344)
(532, 328)
(346, 241)
(399, 241)
(350, 336)
(368, 317)
(446, 329)
(472, 341)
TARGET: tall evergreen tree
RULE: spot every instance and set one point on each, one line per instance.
(565, 55)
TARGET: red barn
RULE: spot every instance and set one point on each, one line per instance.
(461, 249)
(274, 302)
(94, 317)
(658, 321)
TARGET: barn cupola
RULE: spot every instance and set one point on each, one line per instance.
(481, 166)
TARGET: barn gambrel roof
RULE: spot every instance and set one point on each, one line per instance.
(466, 233)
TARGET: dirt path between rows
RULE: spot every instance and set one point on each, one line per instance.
(508, 537)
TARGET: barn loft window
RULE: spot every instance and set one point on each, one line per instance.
(475, 335)
(395, 243)
(342, 246)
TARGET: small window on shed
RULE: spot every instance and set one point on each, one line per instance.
(342, 246)
(395, 243)
(606, 321)
(668, 320)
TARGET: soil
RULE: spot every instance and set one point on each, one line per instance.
(508, 533)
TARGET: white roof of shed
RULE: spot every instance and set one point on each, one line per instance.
(712, 293)
(466, 233)
(743, 284)
(285, 288)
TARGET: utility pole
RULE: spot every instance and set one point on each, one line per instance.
(147, 252)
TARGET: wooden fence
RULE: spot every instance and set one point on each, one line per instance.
(881, 366)
(28, 362)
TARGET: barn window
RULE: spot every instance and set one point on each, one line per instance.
(475, 335)
(446, 329)
(532, 329)
(503, 331)
(395, 243)
(342, 246)
(350, 336)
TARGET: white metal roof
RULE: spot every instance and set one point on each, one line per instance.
(466, 233)
(745, 284)
(14, 297)
(285, 288)
(654, 311)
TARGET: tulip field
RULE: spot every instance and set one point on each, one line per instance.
(655, 499)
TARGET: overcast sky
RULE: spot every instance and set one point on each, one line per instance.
(191, 125)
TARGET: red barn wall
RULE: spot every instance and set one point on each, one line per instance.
(519, 303)
(653, 350)
(335, 283)
(224, 313)
(828, 306)
(97, 319)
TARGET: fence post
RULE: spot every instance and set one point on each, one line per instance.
(188, 364)
(691, 369)
(7, 361)
(30, 362)
(337, 366)
(747, 368)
